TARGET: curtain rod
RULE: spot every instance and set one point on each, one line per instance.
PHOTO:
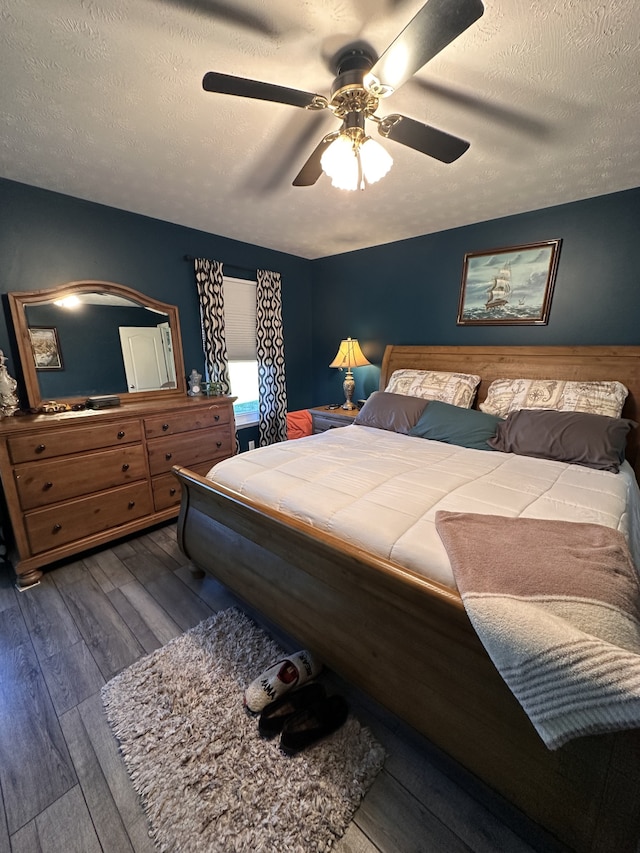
(233, 266)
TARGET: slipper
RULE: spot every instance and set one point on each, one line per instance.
(275, 715)
(310, 725)
(294, 671)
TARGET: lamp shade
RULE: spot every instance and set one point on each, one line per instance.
(340, 163)
(353, 162)
(349, 355)
(375, 160)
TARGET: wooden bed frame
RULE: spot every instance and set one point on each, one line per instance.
(407, 641)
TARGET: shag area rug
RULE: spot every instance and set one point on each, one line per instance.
(207, 780)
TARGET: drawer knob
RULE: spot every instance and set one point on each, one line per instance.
(125, 467)
(132, 504)
(168, 455)
(57, 527)
(216, 417)
(165, 427)
(121, 434)
(40, 448)
(218, 444)
(172, 491)
(48, 485)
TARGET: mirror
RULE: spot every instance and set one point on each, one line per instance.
(94, 338)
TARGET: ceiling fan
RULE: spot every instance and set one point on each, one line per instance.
(349, 156)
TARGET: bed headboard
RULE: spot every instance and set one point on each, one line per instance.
(496, 362)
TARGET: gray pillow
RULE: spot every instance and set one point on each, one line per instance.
(595, 441)
(455, 425)
(393, 412)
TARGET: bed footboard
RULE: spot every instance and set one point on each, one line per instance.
(408, 643)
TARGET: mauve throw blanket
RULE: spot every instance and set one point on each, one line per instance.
(556, 604)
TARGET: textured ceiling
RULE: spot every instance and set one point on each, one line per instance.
(102, 99)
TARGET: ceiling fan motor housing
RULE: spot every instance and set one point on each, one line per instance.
(348, 94)
(354, 59)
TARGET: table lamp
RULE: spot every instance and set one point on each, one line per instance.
(349, 355)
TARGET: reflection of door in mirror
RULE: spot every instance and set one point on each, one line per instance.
(147, 353)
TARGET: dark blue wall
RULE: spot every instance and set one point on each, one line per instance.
(407, 292)
(48, 239)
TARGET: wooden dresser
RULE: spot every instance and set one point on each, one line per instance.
(76, 480)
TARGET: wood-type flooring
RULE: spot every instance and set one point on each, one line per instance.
(63, 784)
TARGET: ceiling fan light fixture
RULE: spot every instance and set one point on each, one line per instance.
(340, 163)
(374, 159)
(353, 163)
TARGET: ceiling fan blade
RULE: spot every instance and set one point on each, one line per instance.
(224, 11)
(512, 117)
(437, 24)
(421, 137)
(226, 84)
(312, 169)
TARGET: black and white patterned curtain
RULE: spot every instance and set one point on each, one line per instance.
(210, 283)
(270, 352)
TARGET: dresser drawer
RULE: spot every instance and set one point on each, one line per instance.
(189, 449)
(186, 421)
(166, 487)
(67, 522)
(43, 483)
(49, 443)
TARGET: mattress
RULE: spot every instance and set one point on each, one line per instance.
(381, 490)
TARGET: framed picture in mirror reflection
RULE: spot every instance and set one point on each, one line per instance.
(46, 348)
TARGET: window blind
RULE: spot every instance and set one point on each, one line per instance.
(240, 319)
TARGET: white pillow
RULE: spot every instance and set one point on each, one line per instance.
(511, 395)
(458, 389)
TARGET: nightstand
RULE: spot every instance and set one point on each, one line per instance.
(324, 418)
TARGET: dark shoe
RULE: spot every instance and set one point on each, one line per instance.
(310, 725)
(277, 713)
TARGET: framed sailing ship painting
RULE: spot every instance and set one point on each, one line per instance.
(511, 286)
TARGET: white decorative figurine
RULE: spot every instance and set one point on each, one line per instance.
(9, 402)
(195, 384)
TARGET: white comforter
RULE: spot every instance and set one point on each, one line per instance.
(381, 490)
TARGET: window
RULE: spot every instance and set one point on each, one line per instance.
(240, 333)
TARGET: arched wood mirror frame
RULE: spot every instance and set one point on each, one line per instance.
(19, 303)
